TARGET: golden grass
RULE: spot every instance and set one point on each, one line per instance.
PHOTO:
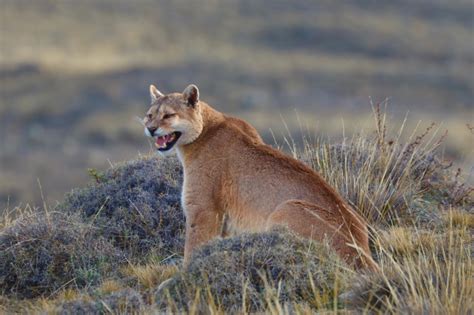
(436, 278)
(68, 294)
(109, 286)
(8, 216)
(460, 218)
(151, 274)
(382, 177)
(402, 241)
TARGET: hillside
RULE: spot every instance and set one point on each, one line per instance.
(116, 245)
(74, 75)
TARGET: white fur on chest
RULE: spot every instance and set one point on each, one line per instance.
(183, 187)
(183, 199)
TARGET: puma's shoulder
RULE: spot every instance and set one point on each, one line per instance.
(245, 128)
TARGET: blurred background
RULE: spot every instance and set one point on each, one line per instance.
(75, 74)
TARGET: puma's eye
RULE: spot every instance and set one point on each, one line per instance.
(150, 116)
(166, 116)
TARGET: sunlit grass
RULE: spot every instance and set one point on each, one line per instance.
(150, 275)
(424, 271)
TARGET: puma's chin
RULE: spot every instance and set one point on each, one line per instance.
(166, 153)
(165, 143)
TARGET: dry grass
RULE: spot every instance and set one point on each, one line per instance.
(150, 275)
(460, 218)
(109, 286)
(383, 177)
(402, 241)
(430, 274)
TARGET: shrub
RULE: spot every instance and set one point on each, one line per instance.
(136, 205)
(248, 271)
(42, 252)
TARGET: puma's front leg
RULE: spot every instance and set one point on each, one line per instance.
(201, 226)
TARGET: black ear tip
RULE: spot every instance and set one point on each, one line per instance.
(193, 88)
(191, 93)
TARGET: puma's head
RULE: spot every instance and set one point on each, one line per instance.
(174, 119)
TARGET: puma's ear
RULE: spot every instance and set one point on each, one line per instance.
(191, 94)
(154, 93)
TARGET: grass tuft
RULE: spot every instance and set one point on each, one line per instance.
(150, 275)
(436, 278)
(460, 218)
(386, 179)
(109, 286)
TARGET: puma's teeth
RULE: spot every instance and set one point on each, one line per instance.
(161, 146)
(167, 141)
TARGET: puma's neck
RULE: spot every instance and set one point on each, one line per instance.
(210, 119)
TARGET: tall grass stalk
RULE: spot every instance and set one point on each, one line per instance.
(381, 178)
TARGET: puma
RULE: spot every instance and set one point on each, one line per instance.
(234, 182)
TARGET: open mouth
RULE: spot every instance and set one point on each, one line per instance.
(166, 142)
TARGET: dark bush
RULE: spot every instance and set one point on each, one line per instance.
(255, 264)
(121, 302)
(43, 252)
(136, 205)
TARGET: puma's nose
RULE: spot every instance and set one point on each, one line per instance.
(152, 130)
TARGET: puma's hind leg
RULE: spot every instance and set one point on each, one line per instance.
(347, 235)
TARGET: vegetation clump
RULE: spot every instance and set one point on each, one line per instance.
(250, 271)
(136, 205)
(44, 252)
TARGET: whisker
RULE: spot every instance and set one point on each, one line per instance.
(140, 120)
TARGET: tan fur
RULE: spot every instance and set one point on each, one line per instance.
(235, 183)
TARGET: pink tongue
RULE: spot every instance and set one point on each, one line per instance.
(162, 140)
